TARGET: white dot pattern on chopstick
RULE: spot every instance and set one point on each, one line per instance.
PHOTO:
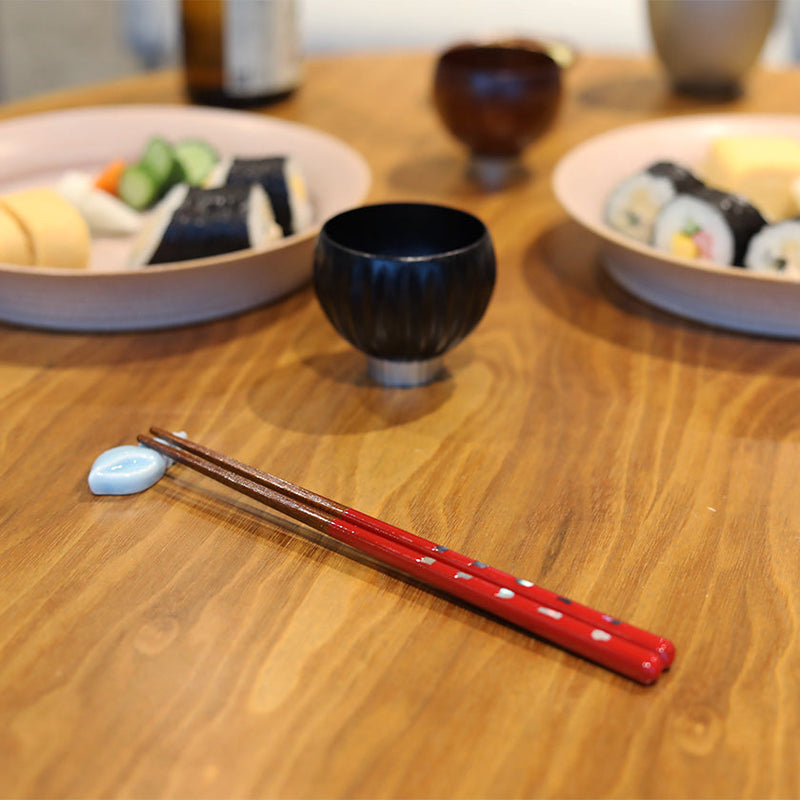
(550, 612)
(506, 594)
(600, 636)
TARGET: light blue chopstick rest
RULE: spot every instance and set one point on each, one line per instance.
(127, 469)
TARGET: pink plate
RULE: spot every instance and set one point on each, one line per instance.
(37, 149)
(725, 297)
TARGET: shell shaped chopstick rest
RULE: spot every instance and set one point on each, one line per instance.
(403, 283)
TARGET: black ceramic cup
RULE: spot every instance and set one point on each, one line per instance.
(403, 283)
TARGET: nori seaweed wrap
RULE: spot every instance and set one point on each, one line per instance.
(196, 223)
(708, 223)
(776, 249)
(280, 178)
(634, 204)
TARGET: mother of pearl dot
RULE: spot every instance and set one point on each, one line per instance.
(550, 612)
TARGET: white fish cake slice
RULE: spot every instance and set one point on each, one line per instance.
(57, 231)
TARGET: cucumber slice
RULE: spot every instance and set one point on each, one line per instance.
(159, 160)
(197, 158)
(138, 188)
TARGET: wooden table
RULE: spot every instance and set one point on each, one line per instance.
(187, 643)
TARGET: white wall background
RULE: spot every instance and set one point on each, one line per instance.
(606, 25)
(51, 44)
(603, 26)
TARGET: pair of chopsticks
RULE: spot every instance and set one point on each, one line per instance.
(616, 645)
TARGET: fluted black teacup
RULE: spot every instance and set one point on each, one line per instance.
(403, 283)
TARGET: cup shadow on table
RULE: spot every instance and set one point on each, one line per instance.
(270, 530)
(433, 174)
(335, 371)
(563, 270)
(447, 175)
(342, 387)
(625, 93)
(644, 94)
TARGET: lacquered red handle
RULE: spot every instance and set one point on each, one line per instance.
(662, 647)
(595, 644)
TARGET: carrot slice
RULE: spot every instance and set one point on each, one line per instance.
(108, 179)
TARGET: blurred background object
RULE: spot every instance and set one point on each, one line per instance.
(240, 53)
(50, 44)
(708, 46)
(497, 99)
(150, 28)
(44, 43)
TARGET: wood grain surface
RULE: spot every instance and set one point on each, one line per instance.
(186, 643)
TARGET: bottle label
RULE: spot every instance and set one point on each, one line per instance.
(261, 47)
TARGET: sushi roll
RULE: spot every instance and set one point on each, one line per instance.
(776, 249)
(281, 179)
(633, 206)
(708, 224)
(191, 222)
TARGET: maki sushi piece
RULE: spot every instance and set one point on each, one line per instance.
(708, 224)
(776, 249)
(282, 180)
(191, 222)
(633, 206)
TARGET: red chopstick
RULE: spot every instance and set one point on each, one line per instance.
(538, 594)
(475, 583)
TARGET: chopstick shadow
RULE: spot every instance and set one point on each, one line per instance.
(257, 522)
(563, 271)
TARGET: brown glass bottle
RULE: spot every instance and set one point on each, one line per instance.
(240, 53)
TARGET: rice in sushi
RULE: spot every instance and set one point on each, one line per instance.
(191, 222)
(776, 249)
(633, 206)
(282, 180)
(707, 224)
